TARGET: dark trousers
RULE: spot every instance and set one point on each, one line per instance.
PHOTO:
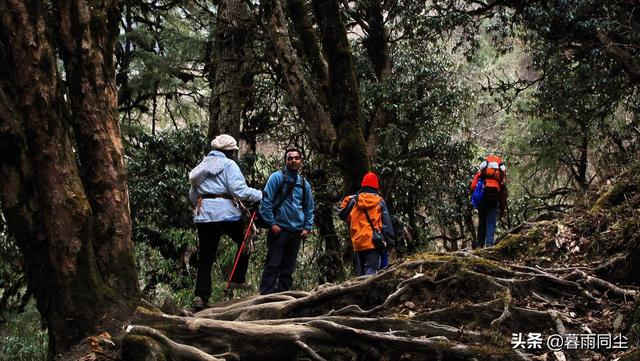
(367, 262)
(282, 252)
(208, 239)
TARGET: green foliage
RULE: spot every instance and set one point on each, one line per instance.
(161, 214)
(584, 87)
(161, 278)
(158, 185)
(21, 334)
(160, 56)
(425, 159)
(13, 290)
(22, 337)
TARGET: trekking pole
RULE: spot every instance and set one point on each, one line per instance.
(246, 237)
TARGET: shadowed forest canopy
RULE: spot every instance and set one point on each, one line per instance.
(105, 107)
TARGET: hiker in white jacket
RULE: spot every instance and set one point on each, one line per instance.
(216, 184)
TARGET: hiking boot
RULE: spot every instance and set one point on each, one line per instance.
(239, 286)
(199, 304)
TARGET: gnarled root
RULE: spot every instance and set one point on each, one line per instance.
(452, 307)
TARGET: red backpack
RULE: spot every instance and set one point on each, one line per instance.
(492, 169)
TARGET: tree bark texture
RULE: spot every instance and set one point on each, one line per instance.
(312, 51)
(88, 33)
(377, 45)
(343, 94)
(298, 87)
(230, 79)
(62, 180)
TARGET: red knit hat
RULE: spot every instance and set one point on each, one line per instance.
(370, 180)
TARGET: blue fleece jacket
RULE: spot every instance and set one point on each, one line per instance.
(291, 215)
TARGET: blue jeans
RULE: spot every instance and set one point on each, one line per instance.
(367, 262)
(487, 214)
(282, 253)
(492, 215)
(384, 259)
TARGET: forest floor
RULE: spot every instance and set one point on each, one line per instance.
(560, 287)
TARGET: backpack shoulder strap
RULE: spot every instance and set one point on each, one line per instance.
(289, 186)
(281, 190)
(304, 192)
(366, 214)
(483, 170)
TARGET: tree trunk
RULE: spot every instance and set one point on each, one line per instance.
(312, 52)
(229, 77)
(298, 87)
(377, 45)
(342, 122)
(124, 54)
(581, 162)
(343, 94)
(63, 186)
(331, 261)
(626, 59)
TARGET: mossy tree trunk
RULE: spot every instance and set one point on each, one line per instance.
(344, 97)
(62, 177)
(310, 46)
(229, 77)
(299, 88)
(377, 45)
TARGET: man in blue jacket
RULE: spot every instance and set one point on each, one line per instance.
(289, 223)
(216, 183)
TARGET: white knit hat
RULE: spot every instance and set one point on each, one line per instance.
(224, 142)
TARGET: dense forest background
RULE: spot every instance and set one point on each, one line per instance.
(417, 91)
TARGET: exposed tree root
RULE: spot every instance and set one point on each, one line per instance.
(627, 294)
(396, 326)
(506, 312)
(451, 307)
(313, 337)
(173, 350)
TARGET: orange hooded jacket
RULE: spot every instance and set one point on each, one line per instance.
(352, 211)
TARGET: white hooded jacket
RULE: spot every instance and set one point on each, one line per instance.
(217, 174)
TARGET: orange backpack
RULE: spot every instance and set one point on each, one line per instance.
(493, 170)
